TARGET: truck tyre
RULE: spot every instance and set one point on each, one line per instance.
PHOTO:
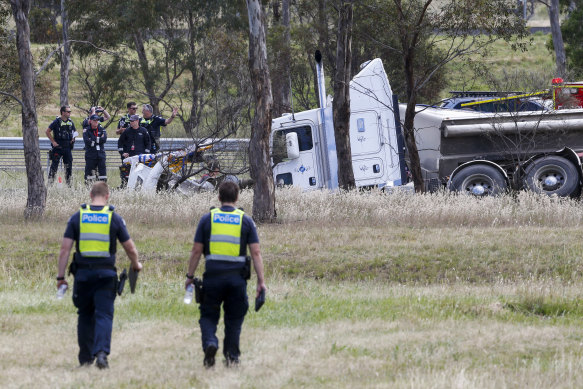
(552, 175)
(479, 180)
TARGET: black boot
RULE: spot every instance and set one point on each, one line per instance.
(101, 360)
(209, 355)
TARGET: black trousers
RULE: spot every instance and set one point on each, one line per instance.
(94, 293)
(230, 291)
(56, 154)
(93, 163)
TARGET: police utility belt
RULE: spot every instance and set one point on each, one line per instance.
(74, 266)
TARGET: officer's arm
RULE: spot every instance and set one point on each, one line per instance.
(50, 136)
(103, 137)
(87, 137)
(258, 265)
(120, 144)
(106, 115)
(132, 252)
(195, 255)
(66, 247)
(120, 126)
(169, 120)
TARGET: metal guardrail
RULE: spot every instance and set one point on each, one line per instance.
(12, 150)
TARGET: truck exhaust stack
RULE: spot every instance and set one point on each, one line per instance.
(321, 79)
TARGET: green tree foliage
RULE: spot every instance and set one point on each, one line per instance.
(572, 30)
(376, 36)
(9, 68)
(43, 26)
(168, 52)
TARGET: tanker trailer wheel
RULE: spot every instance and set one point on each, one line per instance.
(479, 180)
(552, 175)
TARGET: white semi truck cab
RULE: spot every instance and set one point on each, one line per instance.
(304, 148)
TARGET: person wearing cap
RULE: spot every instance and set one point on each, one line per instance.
(62, 142)
(152, 123)
(133, 141)
(124, 122)
(96, 111)
(95, 137)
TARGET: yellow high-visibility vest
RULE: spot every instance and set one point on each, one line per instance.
(225, 241)
(94, 232)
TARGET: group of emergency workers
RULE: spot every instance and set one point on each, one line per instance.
(137, 135)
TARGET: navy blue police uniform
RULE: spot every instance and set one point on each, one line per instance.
(95, 156)
(152, 125)
(224, 283)
(95, 286)
(63, 135)
(134, 142)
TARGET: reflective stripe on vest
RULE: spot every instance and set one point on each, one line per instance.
(94, 232)
(225, 240)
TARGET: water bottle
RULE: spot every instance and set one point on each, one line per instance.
(61, 291)
(188, 294)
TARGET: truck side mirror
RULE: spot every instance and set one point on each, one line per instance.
(292, 145)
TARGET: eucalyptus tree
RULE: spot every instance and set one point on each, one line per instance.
(37, 191)
(341, 102)
(259, 157)
(9, 66)
(572, 31)
(146, 35)
(426, 35)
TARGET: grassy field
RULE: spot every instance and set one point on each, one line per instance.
(364, 289)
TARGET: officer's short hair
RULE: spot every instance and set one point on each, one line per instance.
(64, 108)
(228, 192)
(148, 108)
(99, 189)
(130, 104)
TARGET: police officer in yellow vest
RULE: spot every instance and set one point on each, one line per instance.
(61, 132)
(95, 228)
(223, 236)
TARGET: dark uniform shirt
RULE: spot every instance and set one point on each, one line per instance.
(153, 125)
(92, 144)
(117, 231)
(134, 142)
(203, 235)
(62, 131)
(124, 122)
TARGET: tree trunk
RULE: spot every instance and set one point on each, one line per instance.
(558, 44)
(145, 69)
(409, 125)
(193, 120)
(324, 41)
(65, 57)
(37, 192)
(282, 61)
(414, 161)
(285, 92)
(259, 160)
(409, 39)
(341, 102)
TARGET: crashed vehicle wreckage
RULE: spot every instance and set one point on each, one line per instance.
(178, 170)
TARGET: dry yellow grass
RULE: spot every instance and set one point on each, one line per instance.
(365, 289)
